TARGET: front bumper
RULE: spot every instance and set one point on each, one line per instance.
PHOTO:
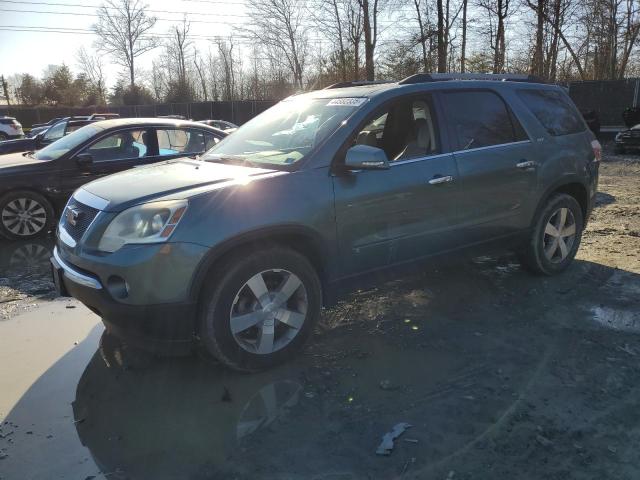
(166, 328)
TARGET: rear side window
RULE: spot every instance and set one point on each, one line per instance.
(481, 119)
(554, 110)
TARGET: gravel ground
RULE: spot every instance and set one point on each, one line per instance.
(499, 373)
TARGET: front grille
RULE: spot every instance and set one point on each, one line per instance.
(84, 215)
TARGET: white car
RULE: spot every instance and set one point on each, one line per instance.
(10, 128)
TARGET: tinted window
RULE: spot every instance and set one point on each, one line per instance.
(554, 110)
(405, 130)
(480, 119)
(119, 146)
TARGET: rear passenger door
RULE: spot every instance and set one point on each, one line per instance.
(184, 142)
(496, 164)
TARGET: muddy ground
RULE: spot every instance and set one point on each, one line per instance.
(501, 374)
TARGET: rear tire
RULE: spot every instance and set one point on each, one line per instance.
(24, 215)
(260, 309)
(3, 136)
(555, 237)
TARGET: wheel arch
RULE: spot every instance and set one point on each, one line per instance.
(302, 239)
(572, 186)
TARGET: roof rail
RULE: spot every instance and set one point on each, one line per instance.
(356, 83)
(438, 77)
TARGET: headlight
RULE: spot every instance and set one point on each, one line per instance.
(148, 223)
(618, 136)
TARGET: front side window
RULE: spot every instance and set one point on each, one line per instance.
(554, 110)
(124, 145)
(480, 119)
(67, 143)
(286, 133)
(406, 129)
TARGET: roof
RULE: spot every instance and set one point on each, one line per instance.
(423, 81)
(148, 122)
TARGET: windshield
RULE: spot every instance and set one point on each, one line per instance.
(285, 133)
(64, 144)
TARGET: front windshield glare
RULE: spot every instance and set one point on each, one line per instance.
(64, 144)
(285, 133)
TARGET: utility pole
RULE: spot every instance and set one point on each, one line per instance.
(5, 89)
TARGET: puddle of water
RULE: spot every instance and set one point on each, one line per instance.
(617, 319)
(25, 273)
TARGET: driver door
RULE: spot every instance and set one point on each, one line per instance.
(115, 152)
(391, 216)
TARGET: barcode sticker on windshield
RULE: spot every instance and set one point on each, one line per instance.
(347, 102)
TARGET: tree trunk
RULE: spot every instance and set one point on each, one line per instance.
(422, 34)
(368, 42)
(537, 64)
(442, 48)
(463, 47)
(343, 57)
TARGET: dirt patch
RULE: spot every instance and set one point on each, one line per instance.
(500, 373)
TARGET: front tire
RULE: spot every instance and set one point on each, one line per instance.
(556, 235)
(260, 309)
(24, 215)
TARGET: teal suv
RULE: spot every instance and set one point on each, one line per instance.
(236, 251)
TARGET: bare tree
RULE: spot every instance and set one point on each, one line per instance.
(93, 67)
(177, 47)
(354, 21)
(370, 12)
(279, 26)
(330, 16)
(123, 27)
(498, 11)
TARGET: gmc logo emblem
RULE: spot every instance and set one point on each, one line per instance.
(72, 216)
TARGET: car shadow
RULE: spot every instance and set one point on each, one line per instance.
(459, 352)
(603, 199)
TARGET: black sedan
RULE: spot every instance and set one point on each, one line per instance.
(48, 136)
(41, 127)
(627, 140)
(34, 186)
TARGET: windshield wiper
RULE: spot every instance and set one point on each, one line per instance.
(232, 159)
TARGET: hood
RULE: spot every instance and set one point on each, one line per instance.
(19, 145)
(174, 179)
(17, 162)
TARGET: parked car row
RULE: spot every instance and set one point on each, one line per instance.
(46, 136)
(35, 185)
(237, 252)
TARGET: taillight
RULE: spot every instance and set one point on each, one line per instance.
(597, 150)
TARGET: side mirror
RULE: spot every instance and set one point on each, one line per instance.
(365, 157)
(84, 159)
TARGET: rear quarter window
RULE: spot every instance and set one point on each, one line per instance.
(554, 110)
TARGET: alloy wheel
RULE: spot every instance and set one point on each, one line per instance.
(268, 311)
(559, 235)
(24, 217)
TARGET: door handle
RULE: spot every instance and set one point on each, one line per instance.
(526, 164)
(440, 179)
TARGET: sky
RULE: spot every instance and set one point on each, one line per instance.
(30, 41)
(38, 33)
